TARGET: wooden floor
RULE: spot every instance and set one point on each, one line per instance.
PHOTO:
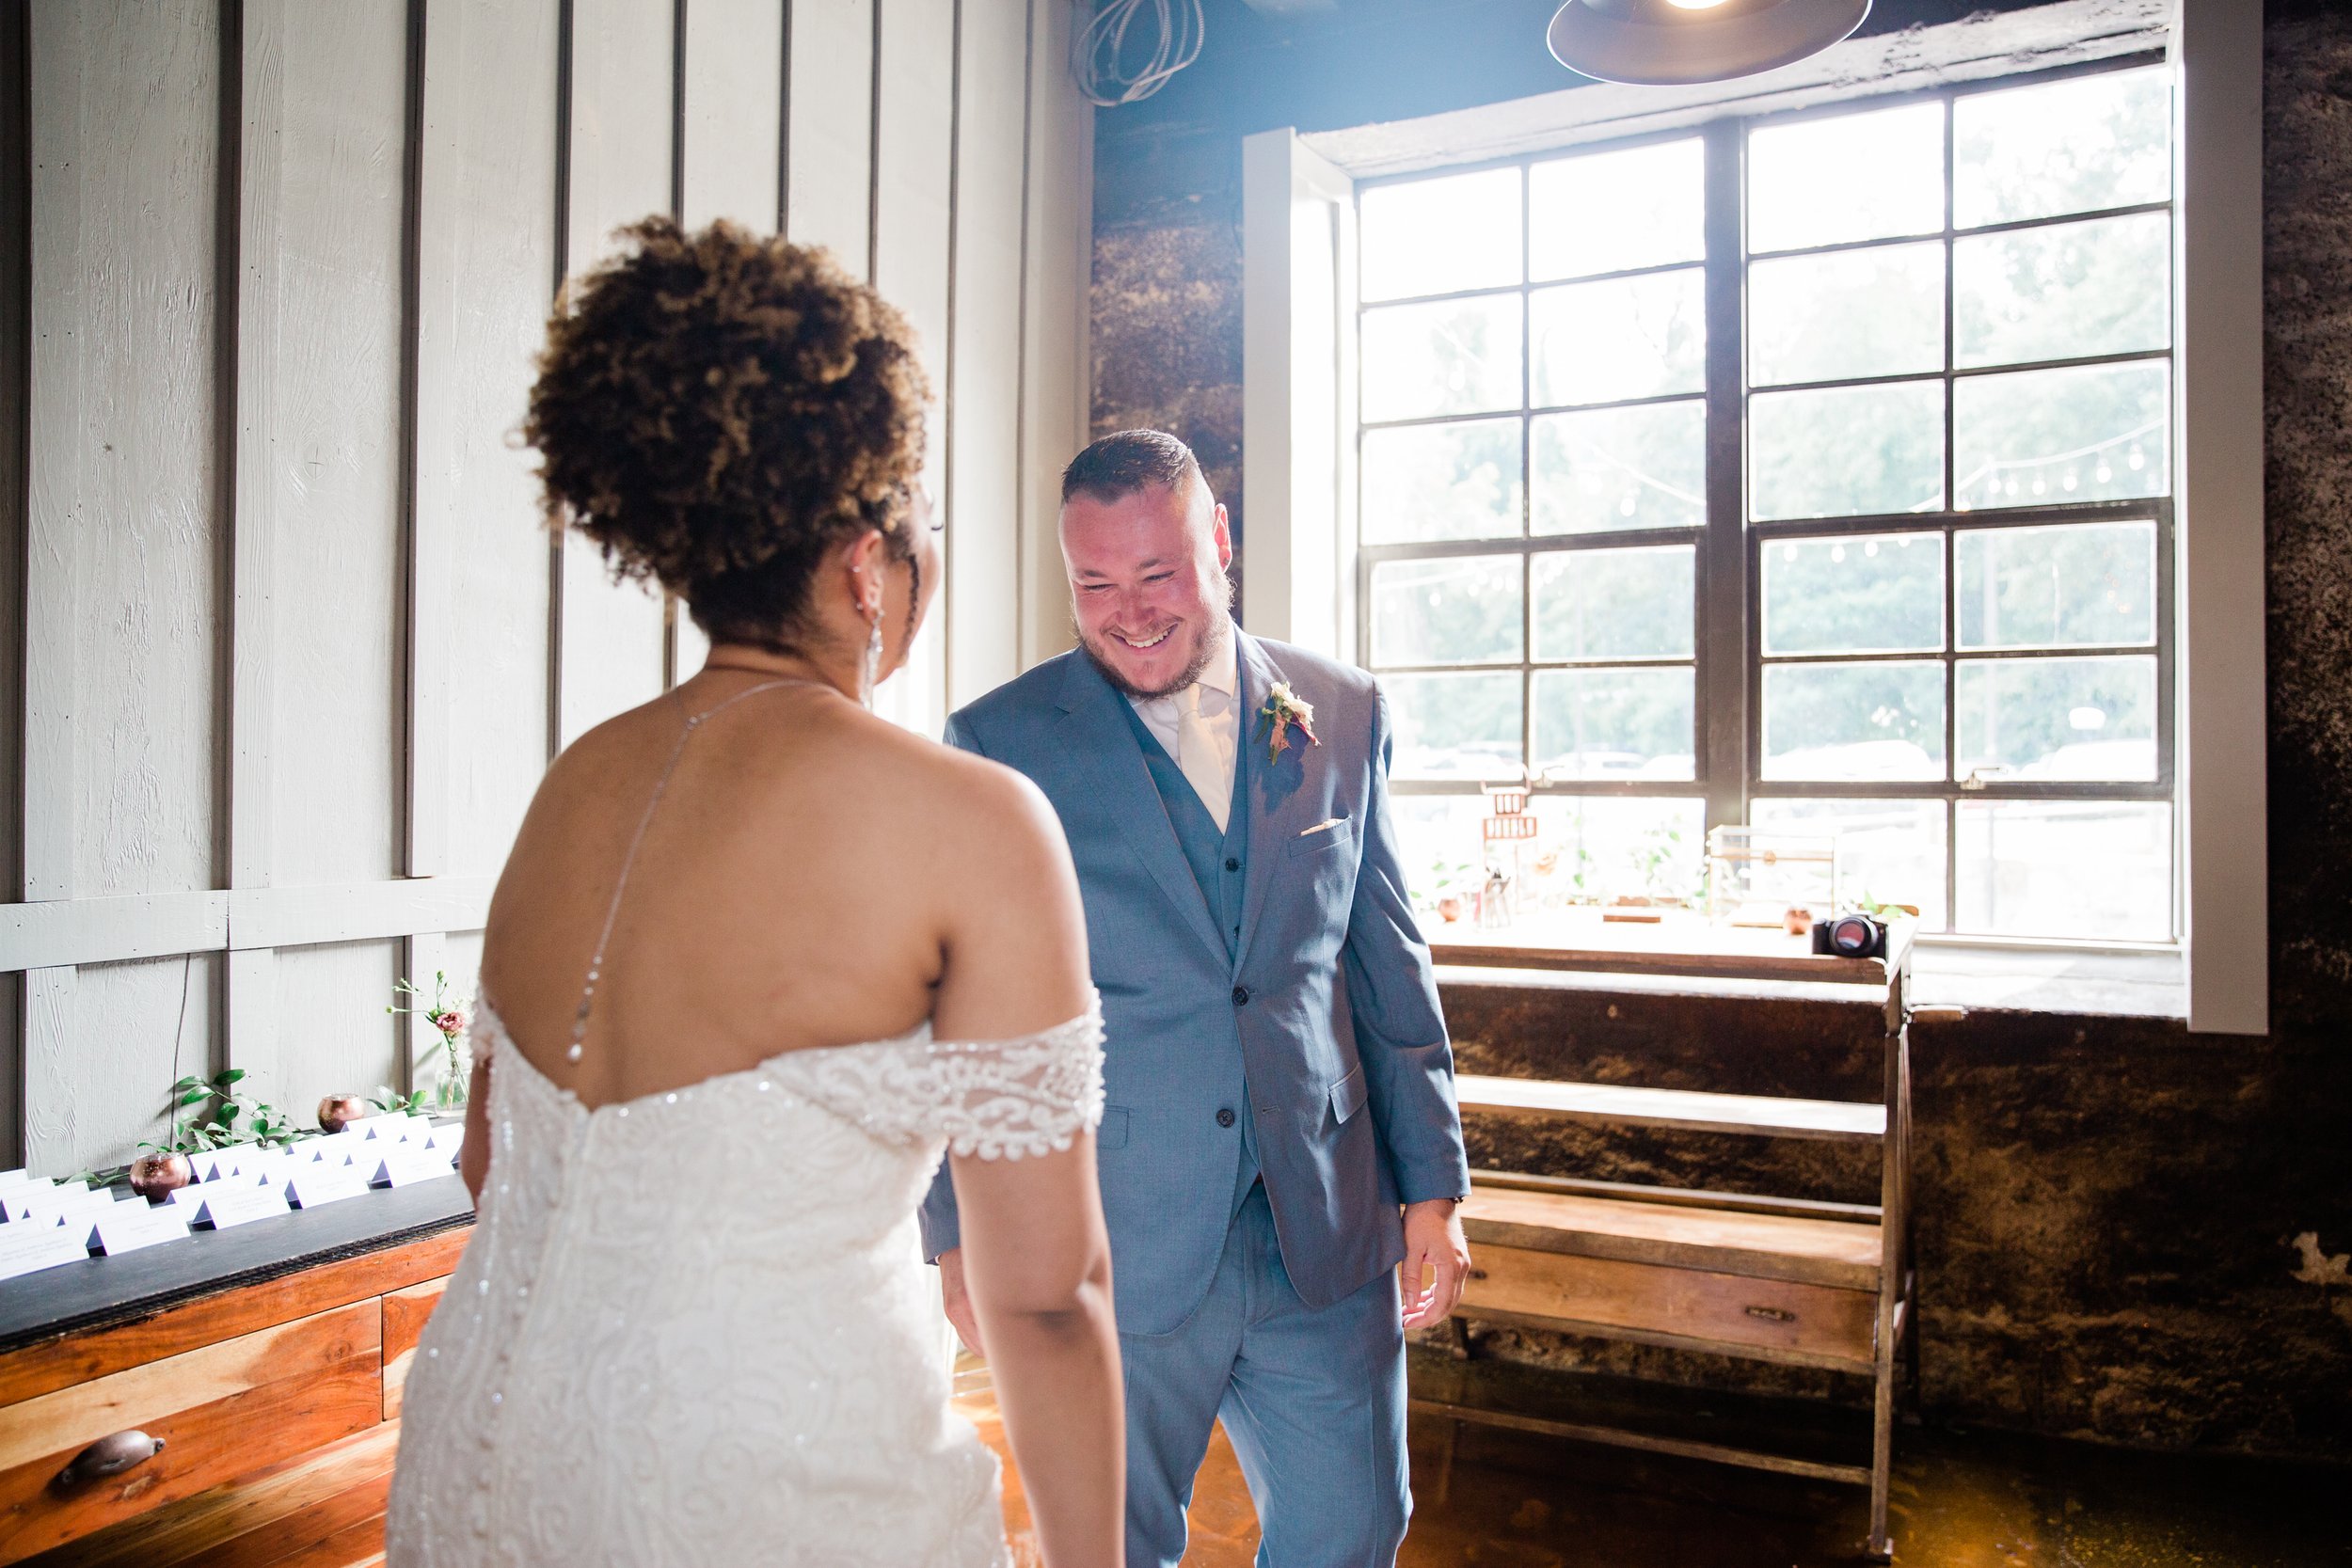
(1506, 1499)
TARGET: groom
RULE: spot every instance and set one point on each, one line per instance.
(1280, 1132)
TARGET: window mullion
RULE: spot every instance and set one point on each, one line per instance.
(1725, 635)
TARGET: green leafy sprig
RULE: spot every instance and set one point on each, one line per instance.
(209, 1113)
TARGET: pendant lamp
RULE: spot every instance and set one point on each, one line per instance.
(1675, 42)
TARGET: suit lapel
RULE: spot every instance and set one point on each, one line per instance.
(1119, 792)
(1271, 788)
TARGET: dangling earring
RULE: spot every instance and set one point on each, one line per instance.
(869, 669)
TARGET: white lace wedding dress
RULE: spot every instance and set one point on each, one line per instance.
(697, 1327)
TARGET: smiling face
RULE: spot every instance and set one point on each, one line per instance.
(1147, 584)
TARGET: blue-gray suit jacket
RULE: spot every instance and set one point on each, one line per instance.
(1342, 1057)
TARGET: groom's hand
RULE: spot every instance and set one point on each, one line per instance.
(1433, 1243)
(958, 1300)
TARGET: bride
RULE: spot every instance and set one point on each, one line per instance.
(759, 957)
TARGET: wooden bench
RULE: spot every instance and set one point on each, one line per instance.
(1796, 1281)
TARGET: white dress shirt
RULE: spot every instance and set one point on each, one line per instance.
(1204, 743)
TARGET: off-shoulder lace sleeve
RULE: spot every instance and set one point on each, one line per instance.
(1002, 1099)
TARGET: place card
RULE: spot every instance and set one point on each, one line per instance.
(204, 1167)
(228, 1205)
(25, 1248)
(191, 1197)
(393, 1127)
(320, 1183)
(129, 1225)
(450, 1138)
(402, 1164)
(50, 1204)
(18, 1178)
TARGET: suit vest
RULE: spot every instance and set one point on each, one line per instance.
(1221, 864)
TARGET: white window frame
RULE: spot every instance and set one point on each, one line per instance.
(1298, 486)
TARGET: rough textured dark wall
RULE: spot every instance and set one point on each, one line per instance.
(2125, 1230)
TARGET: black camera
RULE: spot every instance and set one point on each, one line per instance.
(1850, 936)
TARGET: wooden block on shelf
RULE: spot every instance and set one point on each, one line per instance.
(1838, 1254)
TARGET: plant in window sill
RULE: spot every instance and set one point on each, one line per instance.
(448, 1018)
(1449, 884)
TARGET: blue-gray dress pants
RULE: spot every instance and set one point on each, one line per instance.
(1314, 1403)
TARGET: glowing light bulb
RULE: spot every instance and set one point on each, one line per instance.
(2069, 481)
(2040, 487)
(1630, 505)
(2137, 460)
(2103, 473)
(1838, 552)
(1870, 548)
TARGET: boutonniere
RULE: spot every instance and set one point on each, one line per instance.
(1283, 709)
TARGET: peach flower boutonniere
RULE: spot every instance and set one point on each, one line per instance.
(1285, 709)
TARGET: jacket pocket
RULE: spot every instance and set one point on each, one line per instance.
(1329, 838)
(1347, 1095)
(1113, 1133)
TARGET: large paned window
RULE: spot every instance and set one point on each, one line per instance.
(1810, 471)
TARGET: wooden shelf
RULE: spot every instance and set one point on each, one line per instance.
(1680, 944)
(1842, 1254)
(1835, 1121)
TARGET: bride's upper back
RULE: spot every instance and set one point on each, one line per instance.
(790, 890)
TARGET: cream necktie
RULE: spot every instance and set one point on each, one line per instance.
(1195, 756)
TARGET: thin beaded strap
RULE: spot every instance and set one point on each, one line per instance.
(628, 862)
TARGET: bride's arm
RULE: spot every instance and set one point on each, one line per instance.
(1035, 1257)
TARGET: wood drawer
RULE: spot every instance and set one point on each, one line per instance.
(405, 1315)
(223, 1411)
(1775, 1319)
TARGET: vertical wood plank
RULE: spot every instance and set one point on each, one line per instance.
(829, 139)
(249, 1017)
(487, 247)
(1056, 269)
(611, 645)
(913, 236)
(983, 484)
(318, 527)
(734, 112)
(124, 565)
(16, 174)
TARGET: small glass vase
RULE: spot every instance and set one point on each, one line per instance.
(450, 1093)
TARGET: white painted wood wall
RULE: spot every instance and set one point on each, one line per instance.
(291, 647)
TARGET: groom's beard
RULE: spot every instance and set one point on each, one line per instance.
(1207, 637)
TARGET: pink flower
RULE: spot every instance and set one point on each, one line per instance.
(449, 1022)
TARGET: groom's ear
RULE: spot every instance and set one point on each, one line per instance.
(1224, 539)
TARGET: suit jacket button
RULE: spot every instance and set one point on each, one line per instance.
(1231, 865)
(1241, 996)
(1225, 1116)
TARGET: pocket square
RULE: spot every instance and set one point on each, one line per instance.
(1322, 827)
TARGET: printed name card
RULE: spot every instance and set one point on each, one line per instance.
(27, 1247)
(129, 1225)
(393, 1127)
(319, 1183)
(401, 1164)
(226, 1204)
(47, 1205)
(190, 1199)
(449, 1139)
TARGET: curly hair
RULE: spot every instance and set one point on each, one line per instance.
(717, 411)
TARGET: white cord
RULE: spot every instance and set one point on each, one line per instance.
(1096, 55)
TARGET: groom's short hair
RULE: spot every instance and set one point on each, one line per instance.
(1125, 462)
